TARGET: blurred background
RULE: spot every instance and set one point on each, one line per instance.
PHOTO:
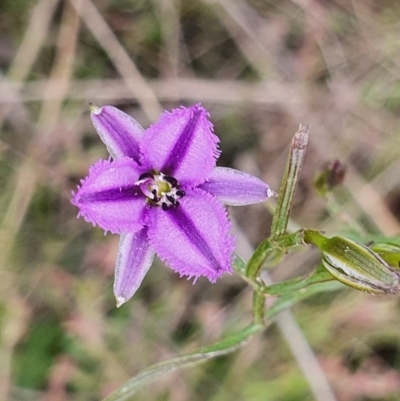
(261, 68)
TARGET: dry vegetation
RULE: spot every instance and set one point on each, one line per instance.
(261, 68)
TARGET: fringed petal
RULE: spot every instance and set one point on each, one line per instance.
(193, 238)
(135, 257)
(235, 188)
(182, 144)
(109, 198)
(119, 131)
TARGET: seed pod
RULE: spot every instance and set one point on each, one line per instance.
(355, 264)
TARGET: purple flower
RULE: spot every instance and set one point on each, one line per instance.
(163, 193)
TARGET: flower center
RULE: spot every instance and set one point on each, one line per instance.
(160, 189)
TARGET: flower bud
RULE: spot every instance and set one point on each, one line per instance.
(355, 264)
(329, 177)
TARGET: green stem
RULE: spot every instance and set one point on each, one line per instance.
(272, 249)
(289, 181)
(313, 237)
(258, 307)
(264, 249)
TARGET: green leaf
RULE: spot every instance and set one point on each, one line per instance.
(319, 275)
(149, 375)
(290, 299)
(239, 265)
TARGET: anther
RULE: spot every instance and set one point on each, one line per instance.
(155, 197)
(146, 175)
(171, 199)
(173, 181)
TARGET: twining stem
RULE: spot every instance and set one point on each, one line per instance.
(289, 181)
(258, 307)
(319, 283)
(272, 249)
